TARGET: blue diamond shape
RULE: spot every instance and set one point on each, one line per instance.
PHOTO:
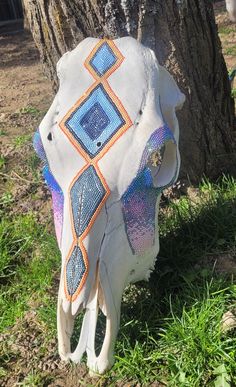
(75, 270)
(103, 59)
(86, 195)
(105, 120)
(95, 121)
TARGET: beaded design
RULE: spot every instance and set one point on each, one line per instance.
(139, 200)
(86, 194)
(93, 124)
(103, 59)
(38, 147)
(95, 121)
(75, 270)
(56, 192)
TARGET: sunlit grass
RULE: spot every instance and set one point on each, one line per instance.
(170, 327)
(21, 140)
(28, 263)
(226, 30)
(230, 50)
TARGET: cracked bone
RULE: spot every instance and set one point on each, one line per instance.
(109, 144)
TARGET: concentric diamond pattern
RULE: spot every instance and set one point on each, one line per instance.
(95, 121)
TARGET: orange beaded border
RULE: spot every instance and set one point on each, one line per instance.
(98, 80)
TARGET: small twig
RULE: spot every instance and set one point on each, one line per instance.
(14, 178)
(6, 175)
(21, 178)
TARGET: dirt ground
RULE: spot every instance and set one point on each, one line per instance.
(25, 95)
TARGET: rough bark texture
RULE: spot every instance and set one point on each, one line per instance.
(184, 36)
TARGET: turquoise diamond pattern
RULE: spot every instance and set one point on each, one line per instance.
(86, 195)
(75, 270)
(95, 121)
(103, 59)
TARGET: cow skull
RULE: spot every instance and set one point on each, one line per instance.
(110, 146)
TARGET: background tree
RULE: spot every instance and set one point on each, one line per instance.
(183, 35)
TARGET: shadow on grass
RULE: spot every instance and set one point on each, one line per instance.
(182, 265)
(192, 237)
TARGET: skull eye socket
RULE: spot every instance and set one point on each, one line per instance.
(156, 157)
(163, 164)
(49, 137)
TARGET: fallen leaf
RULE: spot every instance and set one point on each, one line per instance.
(228, 322)
(222, 379)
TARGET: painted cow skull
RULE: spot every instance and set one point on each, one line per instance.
(110, 145)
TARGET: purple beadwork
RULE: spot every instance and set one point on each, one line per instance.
(57, 194)
(139, 200)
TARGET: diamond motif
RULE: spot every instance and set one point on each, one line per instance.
(95, 121)
(86, 194)
(75, 270)
(98, 119)
(103, 59)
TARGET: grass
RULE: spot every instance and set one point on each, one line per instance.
(3, 132)
(182, 346)
(28, 263)
(21, 140)
(30, 110)
(230, 50)
(2, 162)
(225, 30)
(170, 327)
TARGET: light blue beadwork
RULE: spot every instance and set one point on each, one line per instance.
(38, 146)
(103, 59)
(86, 195)
(75, 270)
(95, 121)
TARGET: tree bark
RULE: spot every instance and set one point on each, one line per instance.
(184, 36)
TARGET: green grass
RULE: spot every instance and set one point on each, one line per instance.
(230, 51)
(28, 262)
(21, 140)
(2, 162)
(30, 110)
(170, 327)
(182, 345)
(3, 132)
(225, 30)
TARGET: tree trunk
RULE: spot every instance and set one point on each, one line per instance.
(184, 36)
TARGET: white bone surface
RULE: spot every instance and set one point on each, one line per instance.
(141, 84)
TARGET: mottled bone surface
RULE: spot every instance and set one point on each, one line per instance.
(109, 144)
